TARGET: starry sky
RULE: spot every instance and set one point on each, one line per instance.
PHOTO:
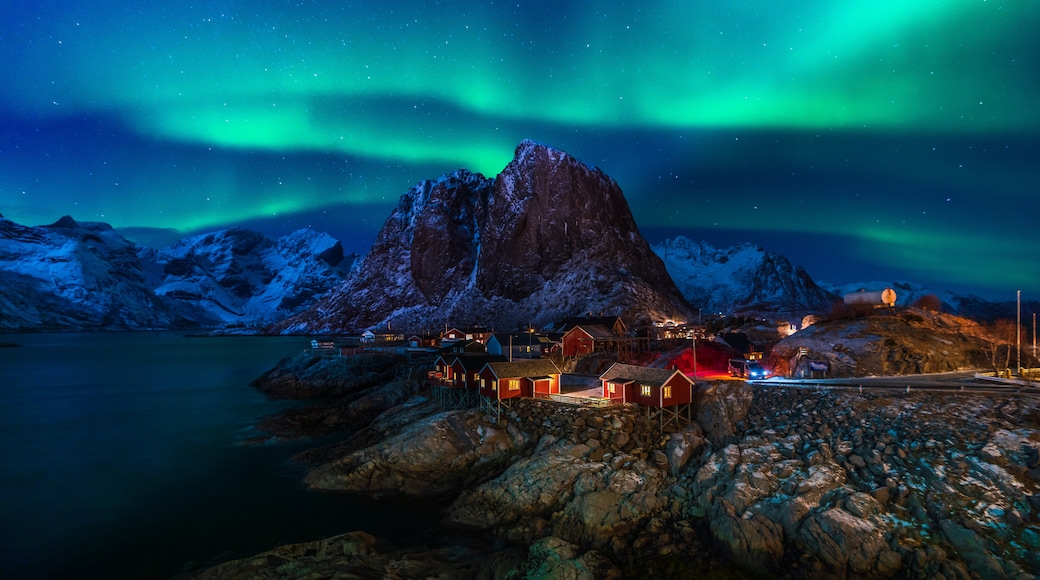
(864, 140)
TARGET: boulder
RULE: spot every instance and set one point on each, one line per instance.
(720, 406)
(435, 456)
(846, 543)
(538, 485)
(754, 542)
(552, 557)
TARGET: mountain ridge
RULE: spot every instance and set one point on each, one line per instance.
(75, 276)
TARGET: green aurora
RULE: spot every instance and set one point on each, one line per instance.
(907, 132)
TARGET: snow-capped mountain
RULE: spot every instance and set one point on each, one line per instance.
(239, 276)
(85, 276)
(742, 278)
(73, 276)
(549, 237)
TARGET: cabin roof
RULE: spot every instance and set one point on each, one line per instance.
(623, 373)
(520, 338)
(529, 368)
(462, 346)
(474, 361)
(468, 329)
(607, 321)
(595, 331)
(739, 341)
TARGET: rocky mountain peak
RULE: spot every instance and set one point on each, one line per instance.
(550, 211)
(549, 237)
(65, 222)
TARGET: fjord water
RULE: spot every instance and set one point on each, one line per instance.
(123, 455)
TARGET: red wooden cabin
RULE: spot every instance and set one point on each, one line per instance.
(466, 368)
(646, 386)
(582, 340)
(522, 378)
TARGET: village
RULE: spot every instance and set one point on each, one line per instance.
(589, 361)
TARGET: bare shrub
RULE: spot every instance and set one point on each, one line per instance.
(929, 302)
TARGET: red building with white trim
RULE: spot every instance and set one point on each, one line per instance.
(522, 378)
(658, 388)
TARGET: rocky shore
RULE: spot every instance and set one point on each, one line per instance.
(764, 482)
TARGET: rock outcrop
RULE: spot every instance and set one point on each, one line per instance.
(889, 342)
(433, 456)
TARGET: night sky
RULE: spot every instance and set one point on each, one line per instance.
(882, 140)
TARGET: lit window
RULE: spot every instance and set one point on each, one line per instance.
(667, 392)
(645, 390)
(514, 384)
(611, 388)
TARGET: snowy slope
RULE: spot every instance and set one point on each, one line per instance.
(85, 276)
(739, 278)
(239, 276)
(71, 276)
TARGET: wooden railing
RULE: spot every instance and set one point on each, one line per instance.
(578, 401)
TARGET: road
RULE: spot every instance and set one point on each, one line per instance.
(941, 382)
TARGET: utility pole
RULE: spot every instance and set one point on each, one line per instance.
(695, 357)
(1018, 336)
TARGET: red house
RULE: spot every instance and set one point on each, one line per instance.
(522, 378)
(614, 323)
(658, 388)
(581, 340)
(443, 368)
(465, 369)
(423, 341)
(478, 334)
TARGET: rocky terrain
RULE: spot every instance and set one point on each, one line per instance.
(766, 481)
(888, 342)
(548, 238)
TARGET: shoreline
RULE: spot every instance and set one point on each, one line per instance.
(822, 458)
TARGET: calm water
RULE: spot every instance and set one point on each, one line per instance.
(121, 456)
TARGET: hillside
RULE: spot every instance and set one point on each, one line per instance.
(890, 342)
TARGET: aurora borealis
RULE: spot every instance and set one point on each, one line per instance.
(863, 140)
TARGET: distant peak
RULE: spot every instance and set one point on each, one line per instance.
(531, 153)
(529, 143)
(65, 221)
